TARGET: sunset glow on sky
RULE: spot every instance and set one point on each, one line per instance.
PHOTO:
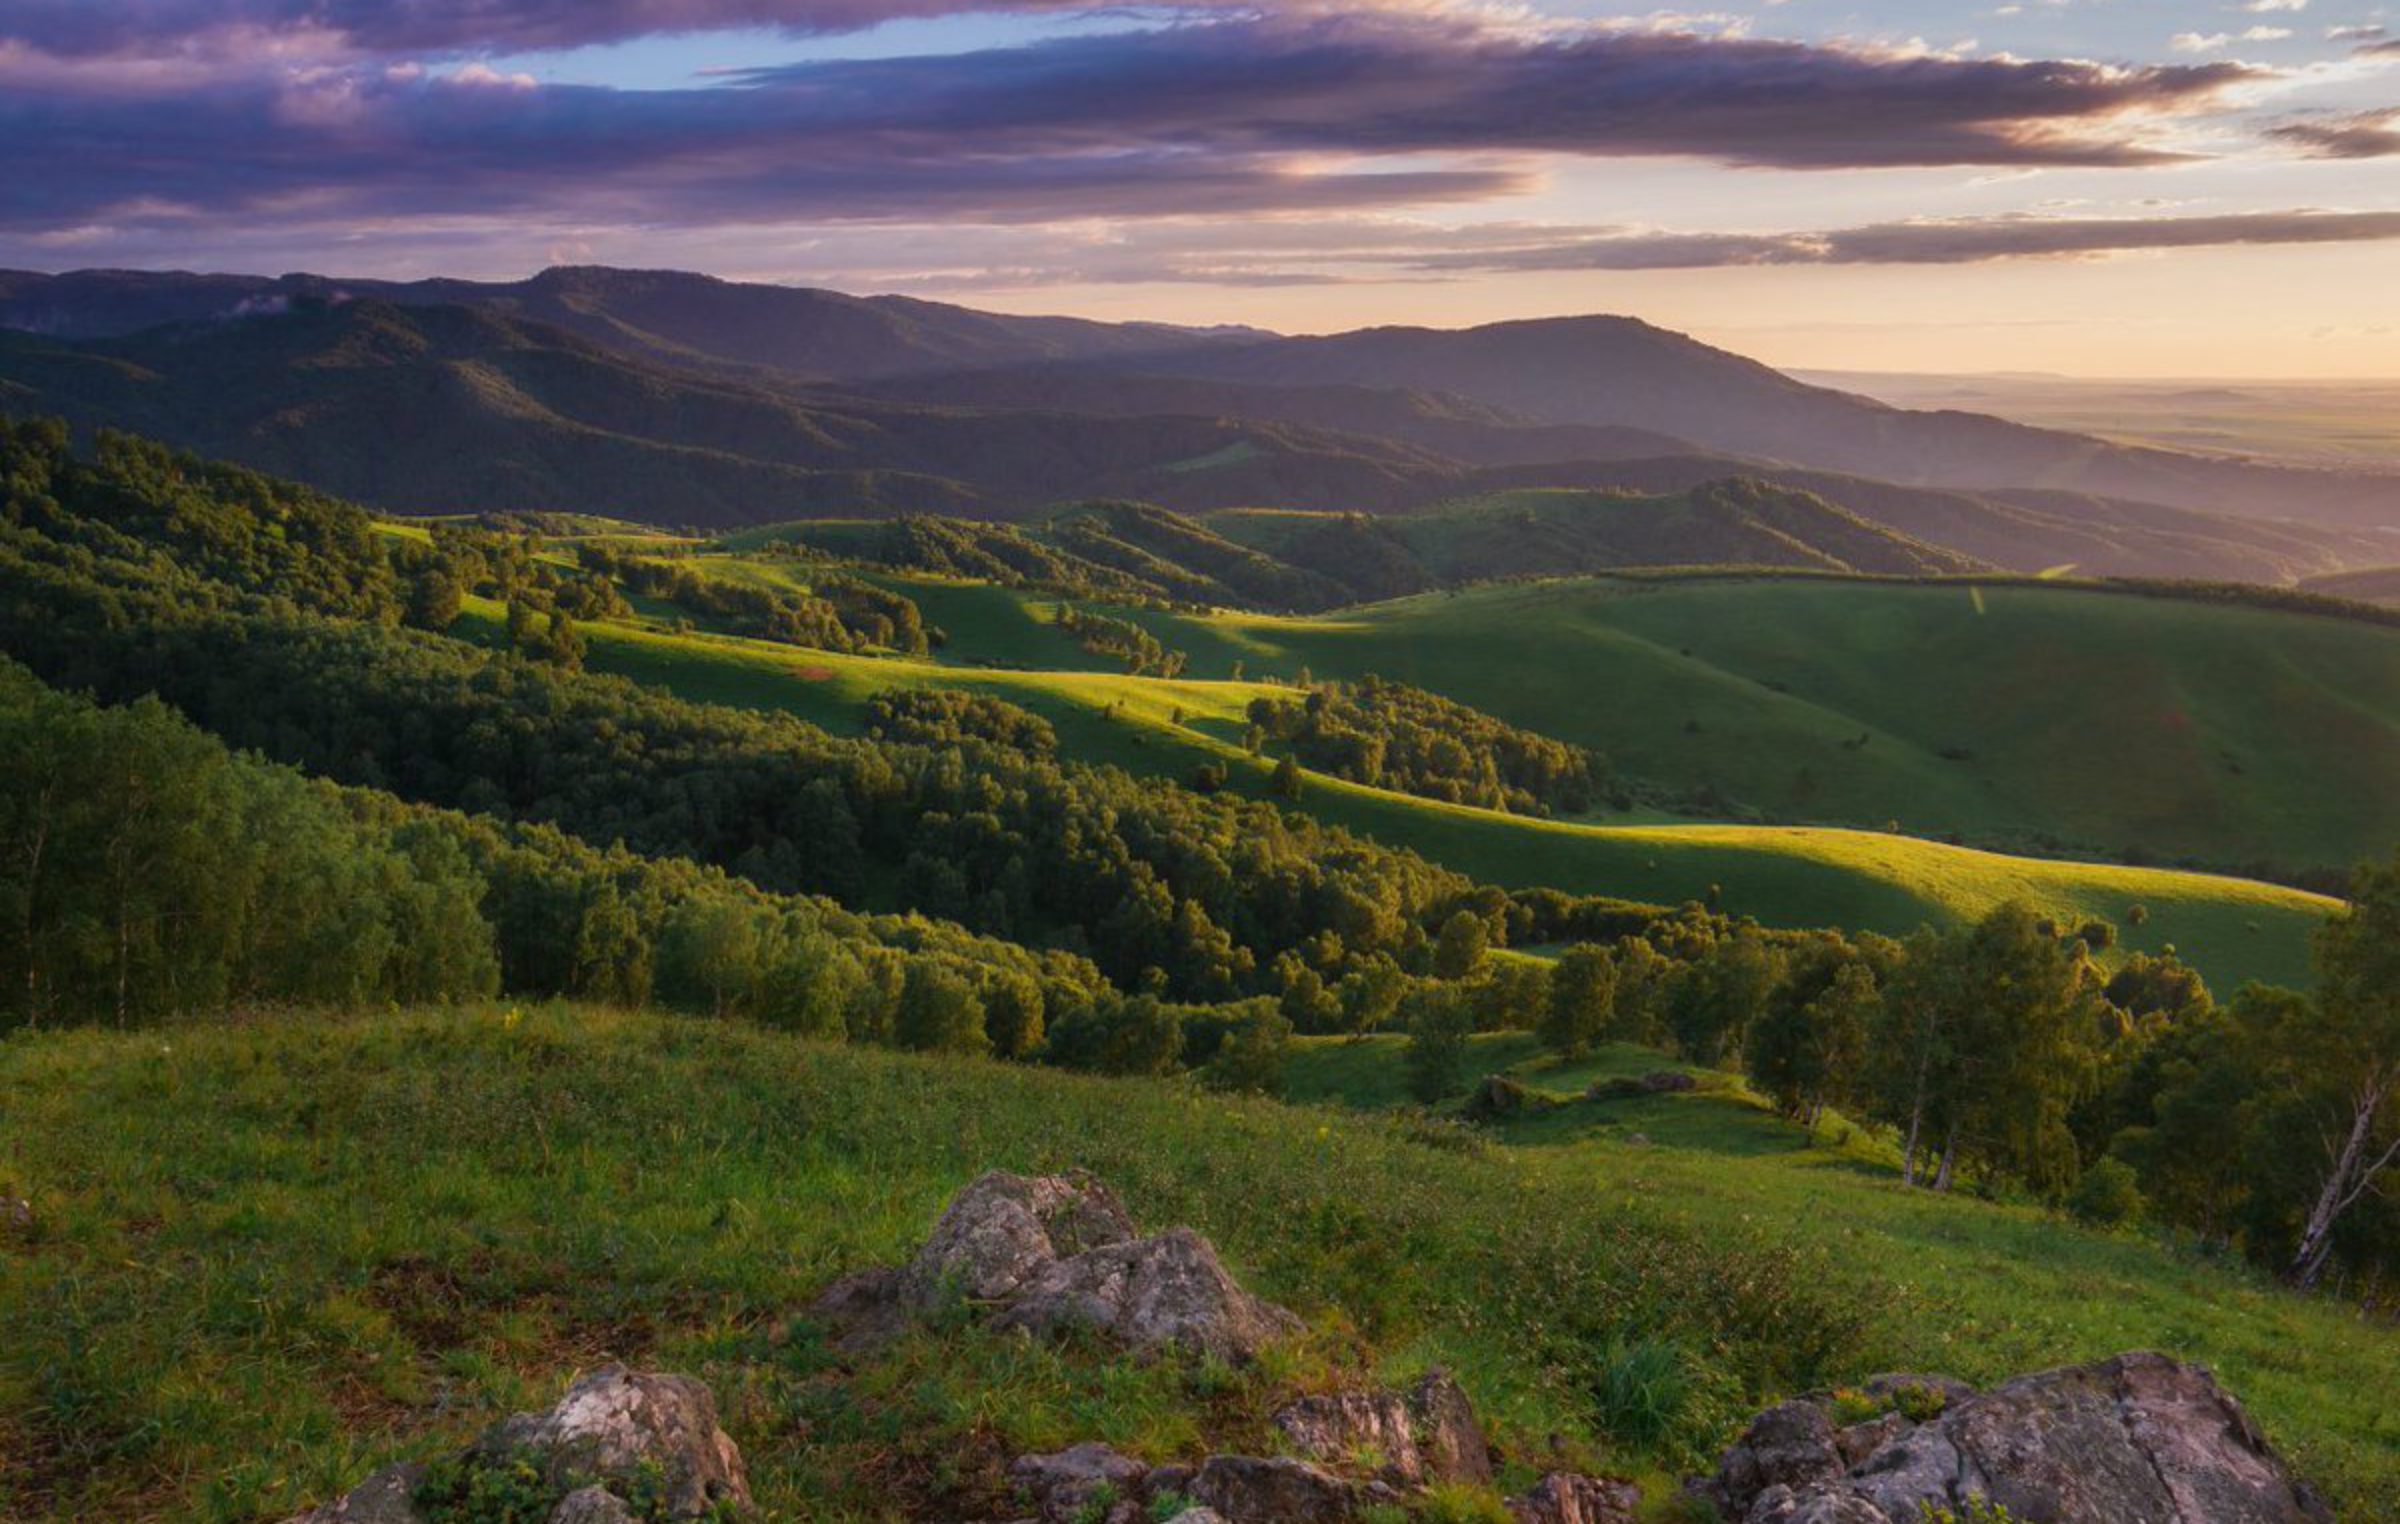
(2101, 187)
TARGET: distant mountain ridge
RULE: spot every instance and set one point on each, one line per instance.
(683, 399)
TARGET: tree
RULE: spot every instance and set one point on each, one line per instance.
(2352, 1047)
(1250, 1056)
(434, 600)
(1461, 950)
(1711, 1002)
(1437, 1045)
(1583, 987)
(1369, 994)
(939, 1012)
(1286, 782)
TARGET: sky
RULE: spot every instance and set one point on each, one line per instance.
(2165, 188)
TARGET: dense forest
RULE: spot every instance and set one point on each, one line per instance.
(241, 768)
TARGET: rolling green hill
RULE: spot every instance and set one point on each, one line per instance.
(2107, 721)
(2232, 929)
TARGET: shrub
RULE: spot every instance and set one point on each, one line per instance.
(2109, 1195)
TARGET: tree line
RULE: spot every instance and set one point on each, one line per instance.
(1390, 735)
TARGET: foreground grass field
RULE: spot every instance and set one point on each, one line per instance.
(269, 1256)
(2232, 929)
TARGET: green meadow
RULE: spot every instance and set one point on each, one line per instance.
(1006, 643)
(272, 1254)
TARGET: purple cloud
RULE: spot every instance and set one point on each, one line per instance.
(1223, 116)
(88, 28)
(2363, 135)
(1970, 241)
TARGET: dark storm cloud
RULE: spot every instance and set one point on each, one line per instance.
(2365, 135)
(1927, 243)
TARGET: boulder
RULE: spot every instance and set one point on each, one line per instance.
(1565, 1498)
(609, 1426)
(615, 1422)
(1150, 1293)
(2138, 1439)
(1055, 1253)
(1789, 1445)
(1003, 1229)
(1426, 1434)
(592, 1505)
(387, 1497)
(1062, 1485)
(1249, 1489)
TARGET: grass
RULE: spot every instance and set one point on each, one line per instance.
(2102, 720)
(2232, 929)
(276, 1253)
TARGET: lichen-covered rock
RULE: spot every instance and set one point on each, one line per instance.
(614, 1422)
(387, 1497)
(1063, 1485)
(1426, 1434)
(1150, 1293)
(1199, 1516)
(1249, 1489)
(1003, 1229)
(1790, 1444)
(1565, 1498)
(592, 1505)
(1058, 1252)
(2138, 1439)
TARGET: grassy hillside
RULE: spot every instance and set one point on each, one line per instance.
(272, 1255)
(2104, 721)
(1785, 876)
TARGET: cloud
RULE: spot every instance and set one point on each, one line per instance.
(1251, 113)
(2364, 135)
(85, 28)
(1967, 241)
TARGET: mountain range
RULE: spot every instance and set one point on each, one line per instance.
(686, 400)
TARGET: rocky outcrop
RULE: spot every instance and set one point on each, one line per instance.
(2139, 1439)
(1425, 1434)
(610, 1427)
(1055, 1253)
(1066, 1486)
(1565, 1498)
(1251, 1489)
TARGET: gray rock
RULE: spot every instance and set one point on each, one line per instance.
(614, 1421)
(1449, 1440)
(1004, 1229)
(1861, 1440)
(2139, 1439)
(387, 1497)
(1790, 1445)
(1249, 1489)
(1426, 1434)
(1061, 1485)
(592, 1505)
(1053, 1253)
(1563, 1497)
(1198, 1516)
(1173, 1478)
(1150, 1293)
(1780, 1505)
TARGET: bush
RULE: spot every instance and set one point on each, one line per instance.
(2109, 1195)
